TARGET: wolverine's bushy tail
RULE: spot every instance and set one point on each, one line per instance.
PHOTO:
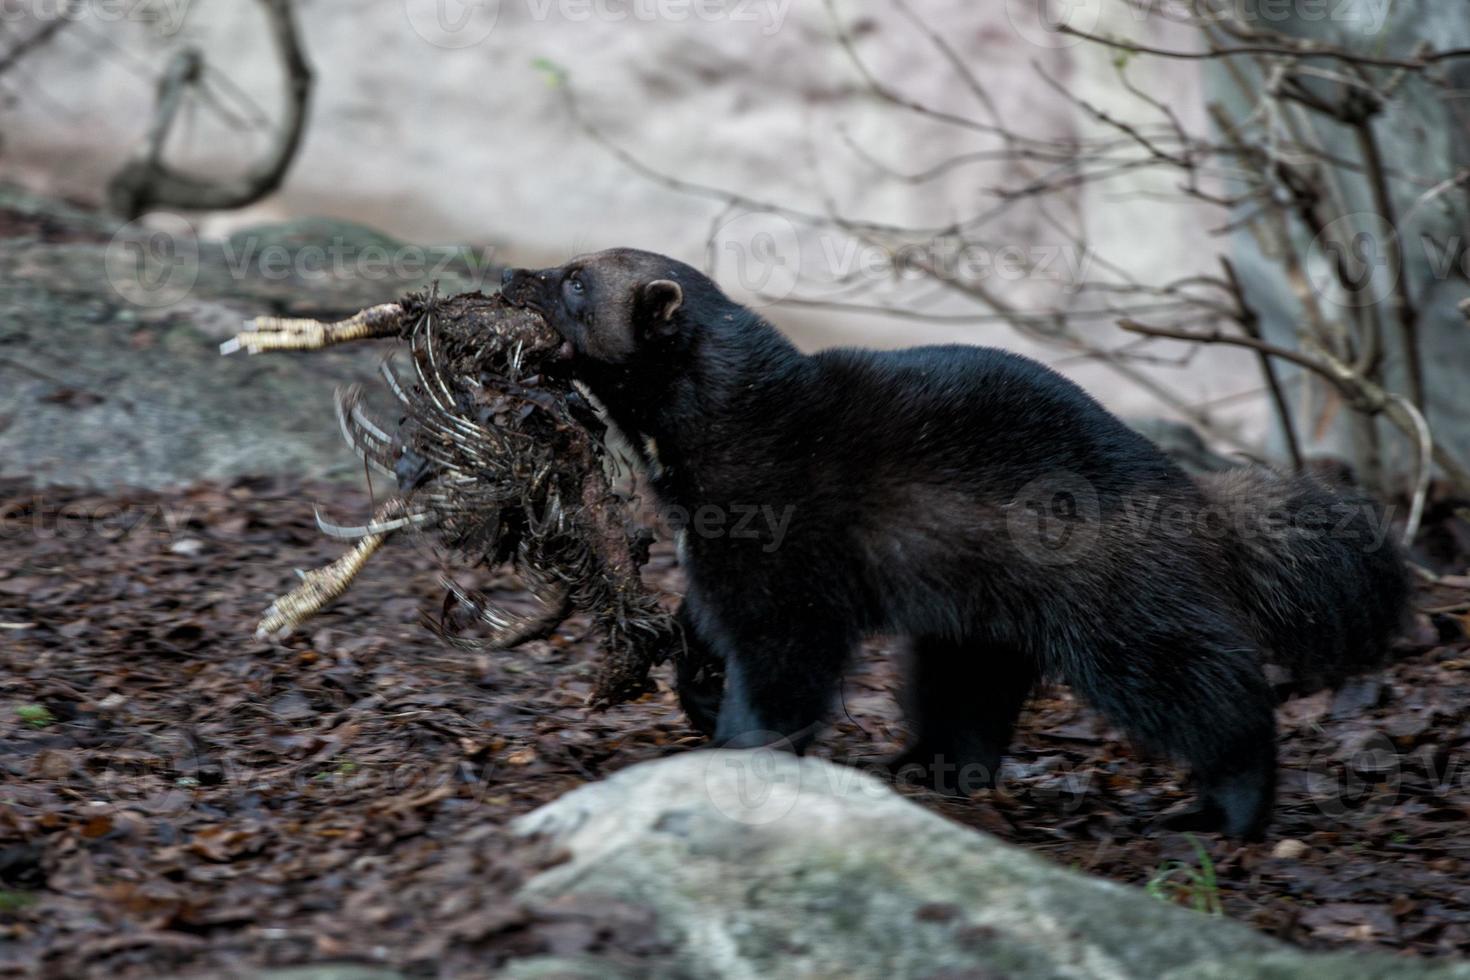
(1318, 573)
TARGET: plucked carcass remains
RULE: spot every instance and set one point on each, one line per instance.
(499, 460)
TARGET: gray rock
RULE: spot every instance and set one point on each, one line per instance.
(109, 346)
(48, 213)
(320, 971)
(759, 864)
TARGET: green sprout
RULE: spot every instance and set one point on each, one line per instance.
(35, 715)
(11, 901)
(556, 75)
(1185, 884)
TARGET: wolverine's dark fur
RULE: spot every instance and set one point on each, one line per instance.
(981, 505)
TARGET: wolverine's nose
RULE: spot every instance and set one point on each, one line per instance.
(515, 285)
(523, 287)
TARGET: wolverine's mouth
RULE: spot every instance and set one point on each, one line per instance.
(521, 290)
(527, 291)
(523, 299)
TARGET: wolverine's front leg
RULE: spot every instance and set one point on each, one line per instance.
(782, 673)
(699, 673)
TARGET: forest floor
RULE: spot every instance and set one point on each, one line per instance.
(178, 795)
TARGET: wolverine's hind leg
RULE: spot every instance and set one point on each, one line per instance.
(962, 701)
(1200, 697)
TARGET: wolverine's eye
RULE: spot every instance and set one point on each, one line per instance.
(574, 293)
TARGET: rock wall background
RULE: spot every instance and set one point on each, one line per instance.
(438, 121)
(438, 133)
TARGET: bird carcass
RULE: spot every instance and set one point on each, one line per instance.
(498, 459)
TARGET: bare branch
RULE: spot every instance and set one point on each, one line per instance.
(40, 37)
(1250, 322)
(1425, 467)
(1364, 394)
(147, 182)
(1304, 49)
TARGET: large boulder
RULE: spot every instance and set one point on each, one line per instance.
(760, 864)
(110, 370)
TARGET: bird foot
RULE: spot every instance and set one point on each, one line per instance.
(272, 333)
(318, 588)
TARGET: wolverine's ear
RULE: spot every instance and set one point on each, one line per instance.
(658, 301)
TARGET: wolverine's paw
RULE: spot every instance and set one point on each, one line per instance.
(1210, 818)
(700, 692)
(752, 740)
(1197, 818)
(944, 773)
(702, 708)
(752, 736)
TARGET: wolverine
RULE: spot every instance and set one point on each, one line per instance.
(985, 509)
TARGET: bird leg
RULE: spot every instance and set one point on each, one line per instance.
(320, 586)
(511, 630)
(270, 333)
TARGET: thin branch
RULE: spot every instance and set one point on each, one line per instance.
(1305, 50)
(40, 37)
(1365, 395)
(1403, 307)
(1250, 322)
(147, 182)
(1425, 466)
(1220, 337)
(892, 96)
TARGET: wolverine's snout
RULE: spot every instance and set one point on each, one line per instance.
(523, 287)
(529, 289)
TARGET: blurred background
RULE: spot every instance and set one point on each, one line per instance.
(1018, 174)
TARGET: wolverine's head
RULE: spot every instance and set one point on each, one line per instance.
(610, 306)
